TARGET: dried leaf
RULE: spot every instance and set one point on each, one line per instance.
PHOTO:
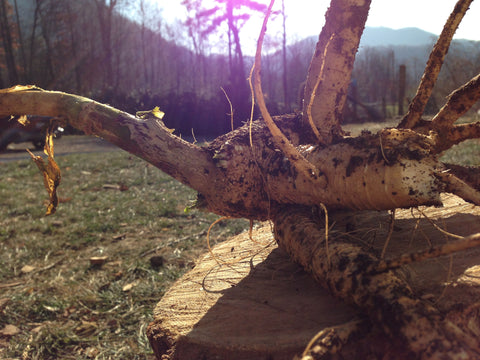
(119, 237)
(51, 308)
(92, 352)
(155, 113)
(38, 328)
(158, 113)
(27, 269)
(9, 330)
(128, 287)
(98, 260)
(23, 120)
(50, 171)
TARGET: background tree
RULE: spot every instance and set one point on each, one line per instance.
(208, 21)
(8, 40)
(105, 11)
(284, 58)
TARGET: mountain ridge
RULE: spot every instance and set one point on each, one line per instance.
(384, 36)
(409, 36)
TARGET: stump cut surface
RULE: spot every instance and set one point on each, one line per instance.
(250, 301)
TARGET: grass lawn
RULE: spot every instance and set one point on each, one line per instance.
(54, 302)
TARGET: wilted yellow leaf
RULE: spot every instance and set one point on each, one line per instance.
(50, 171)
(23, 120)
(158, 113)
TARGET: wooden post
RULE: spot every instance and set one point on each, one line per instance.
(401, 88)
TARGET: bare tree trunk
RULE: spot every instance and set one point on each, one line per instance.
(402, 77)
(46, 20)
(32, 38)
(21, 43)
(104, 15)
(73, 47)
(284, 60)
(143, 40)
(8, 43)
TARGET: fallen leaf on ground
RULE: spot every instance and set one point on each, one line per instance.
(91, 352)
(119, 237)
(9, 330)
(98, 260)
(50, 308)
(128, 287)
(27, 269)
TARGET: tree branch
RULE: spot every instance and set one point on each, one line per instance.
(149, 139)
(458, 103)
(434, 64)
(456, 134)
(329, 74)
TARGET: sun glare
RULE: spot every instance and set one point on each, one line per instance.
(306, 17)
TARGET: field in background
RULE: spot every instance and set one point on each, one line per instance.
(56, 304)
(466, 153)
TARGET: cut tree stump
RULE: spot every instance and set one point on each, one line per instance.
(250, 301)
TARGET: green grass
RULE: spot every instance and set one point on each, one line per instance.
(111, 204)
(66, 308)
(466, 153)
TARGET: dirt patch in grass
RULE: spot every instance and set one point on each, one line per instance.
(56, 300)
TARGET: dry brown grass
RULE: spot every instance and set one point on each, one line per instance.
(113, 205)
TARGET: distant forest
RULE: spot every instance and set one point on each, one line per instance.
(122, 52)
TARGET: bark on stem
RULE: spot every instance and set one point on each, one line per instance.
(147, 138)
(459, 102)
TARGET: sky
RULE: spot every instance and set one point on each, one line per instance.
(306, 17)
